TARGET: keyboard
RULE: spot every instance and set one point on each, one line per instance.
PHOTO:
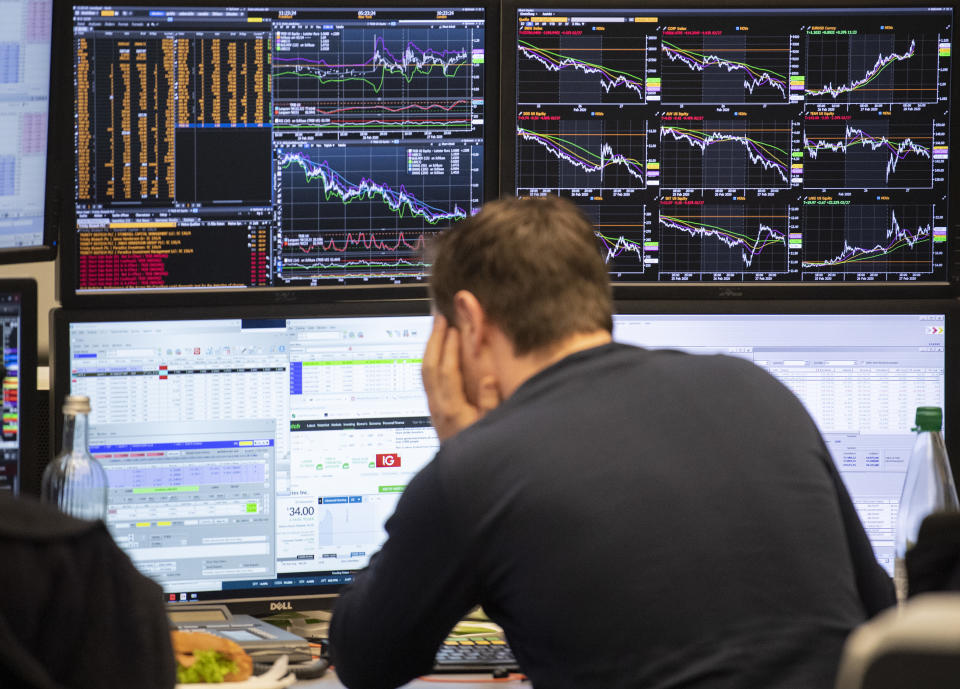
(483, 654)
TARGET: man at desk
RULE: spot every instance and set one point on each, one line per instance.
(631, 518)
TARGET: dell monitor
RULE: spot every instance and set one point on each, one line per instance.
(252, 456)
(272, 151)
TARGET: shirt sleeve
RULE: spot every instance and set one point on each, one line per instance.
(390, 621)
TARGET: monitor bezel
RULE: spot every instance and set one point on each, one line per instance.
(67, 258)
(299, 598)
(736, 290)
(30, 464)
(47, 249)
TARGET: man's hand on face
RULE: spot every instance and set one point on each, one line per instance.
(450, 409)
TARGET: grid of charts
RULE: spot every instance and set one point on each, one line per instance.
(725, 146)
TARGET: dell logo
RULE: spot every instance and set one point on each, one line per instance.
(283, 605)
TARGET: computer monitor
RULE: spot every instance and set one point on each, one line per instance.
(728, 149)
(19, 464)
(860, 368)
(273, 150)
(28, 227)
(253, 456)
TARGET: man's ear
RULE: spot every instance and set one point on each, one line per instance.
(471, 319)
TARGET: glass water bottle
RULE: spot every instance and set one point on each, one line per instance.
(75, 481)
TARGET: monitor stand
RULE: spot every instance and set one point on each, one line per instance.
(263, 641)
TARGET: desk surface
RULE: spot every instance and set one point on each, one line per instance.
(330, 681)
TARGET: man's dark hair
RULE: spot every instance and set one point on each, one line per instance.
(533, 264)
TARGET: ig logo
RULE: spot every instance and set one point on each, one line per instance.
(388, 460)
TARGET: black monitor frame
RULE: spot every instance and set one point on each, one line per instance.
(56, 111)
(737, 290)
(253, 601)
(67, 269)
(30, 463)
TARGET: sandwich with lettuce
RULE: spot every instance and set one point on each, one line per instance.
(203, 657)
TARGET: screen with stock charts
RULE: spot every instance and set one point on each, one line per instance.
(742, 145)
(242, 147)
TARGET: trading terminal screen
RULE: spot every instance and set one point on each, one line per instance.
(255, 147)
(247, 456)
(251, 455)
(10, 334)
(24, 100)
(744, 146)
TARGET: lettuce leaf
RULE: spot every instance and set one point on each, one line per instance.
(209, 666)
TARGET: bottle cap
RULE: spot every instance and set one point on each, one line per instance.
(76, 404)
(929, 419)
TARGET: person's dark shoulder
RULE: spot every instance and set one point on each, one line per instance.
(714, 369)
(703, 362)
(88, 545)
(27, 521)
(733, 385)
(24, 518)
(619, 364)
(498, 435)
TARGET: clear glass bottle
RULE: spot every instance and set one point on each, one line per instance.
(75, 481)
(927, 488)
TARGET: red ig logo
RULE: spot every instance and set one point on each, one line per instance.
(388, 460)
